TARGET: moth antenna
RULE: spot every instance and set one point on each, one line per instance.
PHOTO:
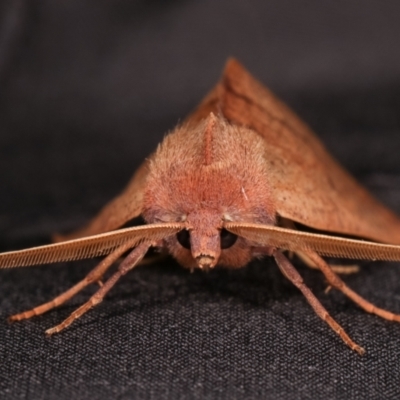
(330, 246)
(88, 247)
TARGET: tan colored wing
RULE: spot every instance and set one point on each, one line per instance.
(307, 184)
(117, 212)
(88, 247)
(330, 246)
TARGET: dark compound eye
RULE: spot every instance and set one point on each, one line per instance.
(228, 239)
(184, 238)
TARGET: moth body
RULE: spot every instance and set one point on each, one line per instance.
(216, 191)
(219, 174)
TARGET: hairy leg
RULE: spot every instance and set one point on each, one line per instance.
(129, 262)
(291, 273)
(339, 269)
(335, 281)
(93, 276)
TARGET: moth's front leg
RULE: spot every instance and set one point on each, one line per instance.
(131, 260)
(291, 273)
(93, 276)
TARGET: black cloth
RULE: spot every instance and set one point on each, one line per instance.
(87, 91)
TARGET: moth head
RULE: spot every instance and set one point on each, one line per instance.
(205, 175)
(205, 239)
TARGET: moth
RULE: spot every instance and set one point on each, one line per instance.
(239, 179)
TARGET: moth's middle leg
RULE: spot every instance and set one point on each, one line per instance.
(339, 269)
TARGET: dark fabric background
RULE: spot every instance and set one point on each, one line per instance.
(87, 90)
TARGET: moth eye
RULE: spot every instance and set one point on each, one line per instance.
(184, 238)
(228, 239)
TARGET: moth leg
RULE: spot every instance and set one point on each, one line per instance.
(291, 273)
(93, 276)
(339, 269)
(129, 263)
(335, 281)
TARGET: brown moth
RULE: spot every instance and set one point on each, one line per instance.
(226, 186)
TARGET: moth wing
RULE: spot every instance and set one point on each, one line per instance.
(117, 212)
(307, 184)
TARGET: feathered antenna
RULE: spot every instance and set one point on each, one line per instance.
(87, 247)
(325, 245)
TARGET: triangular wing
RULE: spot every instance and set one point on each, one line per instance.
(307, 184)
